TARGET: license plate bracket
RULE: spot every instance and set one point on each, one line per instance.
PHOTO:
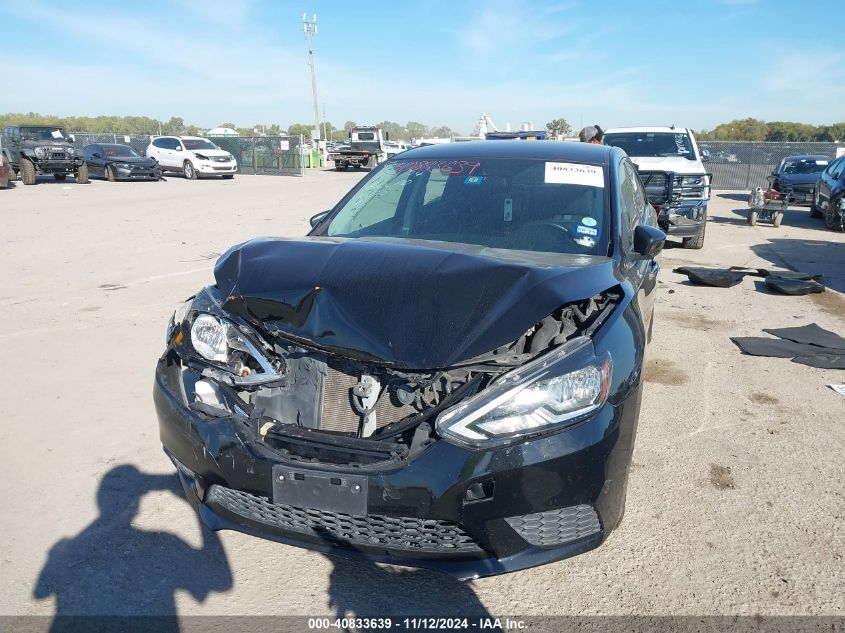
(332, 492)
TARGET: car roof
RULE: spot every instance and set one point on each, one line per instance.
(540, 150)
(646, 129)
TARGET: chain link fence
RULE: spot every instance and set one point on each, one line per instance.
(744, 165)
(264, 155)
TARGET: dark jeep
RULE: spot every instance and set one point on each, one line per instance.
(41, 149)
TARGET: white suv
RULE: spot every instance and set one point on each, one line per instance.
(191, 155)
(670, 166)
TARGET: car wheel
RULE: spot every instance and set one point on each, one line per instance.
(696, 242)
(82, 174)
(189, 171)
(815, 211)
(833, 216)
(109, 173)
(27, 172)
(777, 218)
(13, 175)
(752, 218)
(60, 177)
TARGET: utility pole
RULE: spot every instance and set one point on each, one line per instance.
(309, 27)
(325, 138)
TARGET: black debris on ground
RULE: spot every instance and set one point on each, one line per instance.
(808, 345)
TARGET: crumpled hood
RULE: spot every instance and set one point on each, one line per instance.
(677, 164)
(418, 305)
(798, 179)
(211, 152)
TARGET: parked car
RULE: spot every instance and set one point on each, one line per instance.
(192, 156)
(445, 373)
(33, 150)
(5, 168)
(671, 167)
(798, 175)
(829, 200)
(119, 162)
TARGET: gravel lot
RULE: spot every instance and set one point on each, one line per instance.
(735, 502)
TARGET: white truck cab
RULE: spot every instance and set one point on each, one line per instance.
(672, 170)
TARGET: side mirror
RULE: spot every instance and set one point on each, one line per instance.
(96, 155)
(317, 219)
(705, 155)
(648, 241)
(72, 138)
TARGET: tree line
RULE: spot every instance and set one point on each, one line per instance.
(176, 126)
(756, 130)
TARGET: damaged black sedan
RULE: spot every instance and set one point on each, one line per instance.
(445, 373)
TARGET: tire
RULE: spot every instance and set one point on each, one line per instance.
(13, 175)
(752, 218)
(228, 176)
(815, 212)
(833, 216)
(60, 177)
(108, 172)
(27, 172)
(189, 170)
(696, 242)
(777, 218)
(82, 175)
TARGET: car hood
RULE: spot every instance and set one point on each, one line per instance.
(131, 160)
(210, 152)
(676, 164)
(57, 143)
(798, 179)
(417, 305)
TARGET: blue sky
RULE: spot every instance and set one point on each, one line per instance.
(440, 62)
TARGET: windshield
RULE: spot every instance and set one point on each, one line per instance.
(652, 144)
(523, 204)
(198, 143)
(804, 166)
(43, 134)
(119, 151)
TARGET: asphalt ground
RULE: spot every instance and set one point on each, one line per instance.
(735, 500)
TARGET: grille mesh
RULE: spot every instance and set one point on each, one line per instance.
(556, 527)
(406, 534)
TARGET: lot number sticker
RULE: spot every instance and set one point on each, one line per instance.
(574, 174)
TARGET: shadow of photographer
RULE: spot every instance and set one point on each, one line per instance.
(112, 568)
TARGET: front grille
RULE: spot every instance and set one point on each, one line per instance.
(220, 159)
(406, 534)
(556, 527)
(658, 186)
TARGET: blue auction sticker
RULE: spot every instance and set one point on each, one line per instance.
(473, 180)
(586, 230)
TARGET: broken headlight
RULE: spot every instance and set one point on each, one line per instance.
(546, 394)
(228, 347)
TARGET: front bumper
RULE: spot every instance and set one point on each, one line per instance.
(683, 219)
(123, 173)
(214, 167)
(56, 166)
(547, 499)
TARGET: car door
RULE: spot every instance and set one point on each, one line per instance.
(827, 182)
(634, 211)
(95, 160)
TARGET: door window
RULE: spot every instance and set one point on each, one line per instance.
(631, 203)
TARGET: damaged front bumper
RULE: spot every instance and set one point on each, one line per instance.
(467, 512)
(683, 219)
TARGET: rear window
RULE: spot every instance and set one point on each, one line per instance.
(652, 144)
(524, 204)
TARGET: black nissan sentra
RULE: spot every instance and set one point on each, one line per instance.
(445, 373)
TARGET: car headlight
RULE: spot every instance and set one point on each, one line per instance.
(123, 165)
(40, 152)
(547, 394)
(693, 181)
(201, 156)
(228, 348)
(70, 151)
